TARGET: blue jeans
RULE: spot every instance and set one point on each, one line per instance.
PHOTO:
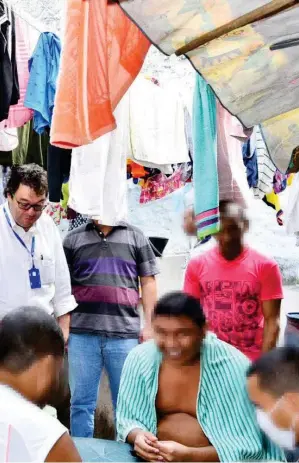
(88, 355)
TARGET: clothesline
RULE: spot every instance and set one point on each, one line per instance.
(35, 23)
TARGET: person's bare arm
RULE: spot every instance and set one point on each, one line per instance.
(149, 299)
(64, 451)
(173, 451)
(271, 311)
(64, 323)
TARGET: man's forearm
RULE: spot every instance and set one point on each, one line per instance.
(64, 323)
(149, 299)
(271, 334)
(202, 454)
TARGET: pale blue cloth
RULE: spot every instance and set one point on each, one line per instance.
(43, 67)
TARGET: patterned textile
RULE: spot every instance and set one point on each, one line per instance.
(266, 168)
(252, 81)
(103, 53)
(159, 186)
(77, 222)
(56, 212)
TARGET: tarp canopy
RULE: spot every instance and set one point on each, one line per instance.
(255, 82)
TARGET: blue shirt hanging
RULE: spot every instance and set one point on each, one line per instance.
(43, 67)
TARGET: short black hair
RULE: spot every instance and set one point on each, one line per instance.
(177, 303)
(31, 175)
(26, 335)
(278, 371)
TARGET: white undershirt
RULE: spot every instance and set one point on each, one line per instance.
(27, 433)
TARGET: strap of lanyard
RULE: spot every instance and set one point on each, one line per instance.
(20, 239)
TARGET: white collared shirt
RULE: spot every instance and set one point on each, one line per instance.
(54, 296)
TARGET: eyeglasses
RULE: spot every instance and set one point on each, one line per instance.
(35, 207)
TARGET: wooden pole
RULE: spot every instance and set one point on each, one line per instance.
(270, 9)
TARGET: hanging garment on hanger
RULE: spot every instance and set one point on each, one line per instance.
(59, 166)
(266, 168)
(157, 125)
(18, 114)
(205, 178)
(233, 184)
(9, 84)
(250, 162)
(102, 54)
(41, 90)
(32, 147)
(98, 180)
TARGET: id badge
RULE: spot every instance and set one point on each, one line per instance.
(34, 278)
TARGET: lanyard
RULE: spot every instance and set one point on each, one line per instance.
(20, 239)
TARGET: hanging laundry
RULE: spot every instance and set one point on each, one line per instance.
(8, 140)
(43, 67)
(250, 162)
(56, 212)
(266, 167)
(279, 182)
(206, 190)
(157, 134)
(273, 200)
(103, 53)
(4, 176)
(9, 83)
(231, 170)
(98, 183)
(18, 114)
(292, 210)
(32, 147)
(159, 186)
(59, 166)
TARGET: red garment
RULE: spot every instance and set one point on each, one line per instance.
(232, 292)
(159, 186)
(103, 51)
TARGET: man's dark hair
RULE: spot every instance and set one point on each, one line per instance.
(176, 304)
(31, 175)
(27, 335)
(277, 371)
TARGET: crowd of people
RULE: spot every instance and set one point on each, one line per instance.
(202, 380)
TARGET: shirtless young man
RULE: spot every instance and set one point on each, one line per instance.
(183, 395)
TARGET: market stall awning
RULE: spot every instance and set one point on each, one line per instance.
(253, 69)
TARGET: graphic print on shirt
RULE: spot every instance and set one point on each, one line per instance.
(234, 312)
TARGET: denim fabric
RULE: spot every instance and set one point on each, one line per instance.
(88, 355)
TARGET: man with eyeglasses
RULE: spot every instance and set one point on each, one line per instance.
(33, 266)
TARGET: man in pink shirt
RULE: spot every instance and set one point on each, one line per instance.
(239, 288)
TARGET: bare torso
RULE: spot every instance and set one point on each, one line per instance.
(176, 404)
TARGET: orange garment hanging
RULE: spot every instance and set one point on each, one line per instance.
(103, 51)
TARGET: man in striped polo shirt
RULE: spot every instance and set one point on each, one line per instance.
(106, 264)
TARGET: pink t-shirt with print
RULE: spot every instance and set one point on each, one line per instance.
(232, 292)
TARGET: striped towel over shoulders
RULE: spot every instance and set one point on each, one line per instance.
(225, 413)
